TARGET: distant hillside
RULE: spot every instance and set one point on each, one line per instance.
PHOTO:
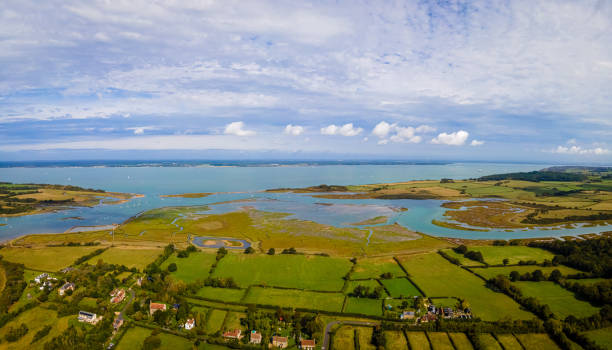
(536, 176)
(574, 168)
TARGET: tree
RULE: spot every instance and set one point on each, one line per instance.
(151, 342)
(249, 250)
(172, 267)
(555, 275)
(515, 276)
(271, 251)
(506, 261)
(462, 249)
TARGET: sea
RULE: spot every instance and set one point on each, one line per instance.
(239, 184)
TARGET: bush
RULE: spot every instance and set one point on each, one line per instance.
(249, 250)
(172, 267)
(271, 251)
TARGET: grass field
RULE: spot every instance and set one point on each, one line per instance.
(537, 342)
(224, 294)
(395, 340)
(295, 299)
(365, 337)
(364, 306)
(46, 258)
(374, 267)
(232, 320)
(128, 256)
(491, 272)
(440, 341)
(488, 342)
(351, 285)
(35, 319)
(418, 341)
(344, 338)
(135, 336)
(195, 266)
(290, 271)
(509, 342)
(438, 277)
(495, 255)
(461, 341)
(601, 337)
(462, 259)
(400, 287)
(215, 321)
(561, 301)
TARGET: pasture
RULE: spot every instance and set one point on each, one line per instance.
(495, 255)
(438, 277)
(214, 320)
(35, 319)
(490, 272)
(400, 287)
(295, 299)
(364, 306)
(351, 285)
(344, 338)
(223, 294)
(285, 270)
(195, 266)
(135, 336)
(374, 267)
(601, 337)
(561, 301)
(127, 256)
(45, 258)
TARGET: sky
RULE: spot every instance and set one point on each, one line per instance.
(413, 80)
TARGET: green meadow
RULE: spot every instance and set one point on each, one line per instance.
(509, 342)
(127, 256)
(601, 337)
(372, 284)
(46, 258)
(364, 306)
(495, 255)
(400, 287)
(374, 267)
(490, 272)
(561, 301)
(223, 294)
(395, 340)
(214, 320)
(438, 277)
(195, 266)
(295, 299)
(285, 270)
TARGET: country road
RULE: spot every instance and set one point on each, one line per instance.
(326, 337)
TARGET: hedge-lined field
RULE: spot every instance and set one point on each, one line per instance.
(295, 299)
(195, 266)
(561, 301)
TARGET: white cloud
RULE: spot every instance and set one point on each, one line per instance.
(477, 143)
(140, 130)
(401, 134)
(344, 130)
(294, 130)
(382, 129)
(425, 129)
(580, 150)
(237, 128)
(571, 141)
(383, 142)
(456, 138)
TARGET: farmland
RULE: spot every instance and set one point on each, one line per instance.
(437, 277)
(400, 287)
(47, 258)
(195, 266)
(490, 272)
(364, 306)
(295, 299)
(127, 256)
(495, 255)
(561, 302)
(374, 267)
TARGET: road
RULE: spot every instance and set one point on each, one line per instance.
(329, 326)
(120, 316)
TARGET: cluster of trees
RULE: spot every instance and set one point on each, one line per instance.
(598, 293)
(185, 253)
(220, 282)
(366, 292)
(536, 176)
(533, 220)
(470, 254)
(15, 333)
(535, 276)
(86, 257)
(82, 338)
(591, 255)
(13, 286)
(502, 283)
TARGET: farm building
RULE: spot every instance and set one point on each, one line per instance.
(233, 334)
(154, 307)
(255, 338)
(280, 342)
(307, 344)
(66, 287)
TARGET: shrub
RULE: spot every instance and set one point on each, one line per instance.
(172, 267)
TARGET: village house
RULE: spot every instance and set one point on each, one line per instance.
(428, 318)
(117, 296)
(41, 278)
(66, 287)
(154, 307)
(407, 315)
(88, 317)
(255, 338)
(307, 344)
(233, 334)
(118, 322)
(280, 342)
(46, 284)
(190, 324)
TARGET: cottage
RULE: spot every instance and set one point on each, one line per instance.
(255, 338)
(41, 278)
(118, 322)
(190, 324)
(307, 344)
(233, 334)
(117, 296)
(429, 318)
(280, 342)
(88, 317)
(154, 307)
(46, 284)
(407, 315)
(66, 287)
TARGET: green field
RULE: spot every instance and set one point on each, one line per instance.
(495, 255)
(365, 338)
(46, 258)
(372, 284)
(561, 301)
(438, 277)
(135, 336)
(400, 287)
(461, 341)
(374, 267)
(417, 340)
(395, 340)
(537, 342)
(295, 299)
(344, 338)
(128, 256)
(232, 320)
(488, 342)
(601, 337)
(490, 272)
(440, 341)
(462, 259)
(509, 342)
(364, 306)
(195, 266)
(223, 294)
(35, 319)
(215, 320)
(286, 270)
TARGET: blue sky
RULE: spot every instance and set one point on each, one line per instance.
(422, 80)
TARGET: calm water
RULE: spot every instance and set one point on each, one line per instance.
(246, 182)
